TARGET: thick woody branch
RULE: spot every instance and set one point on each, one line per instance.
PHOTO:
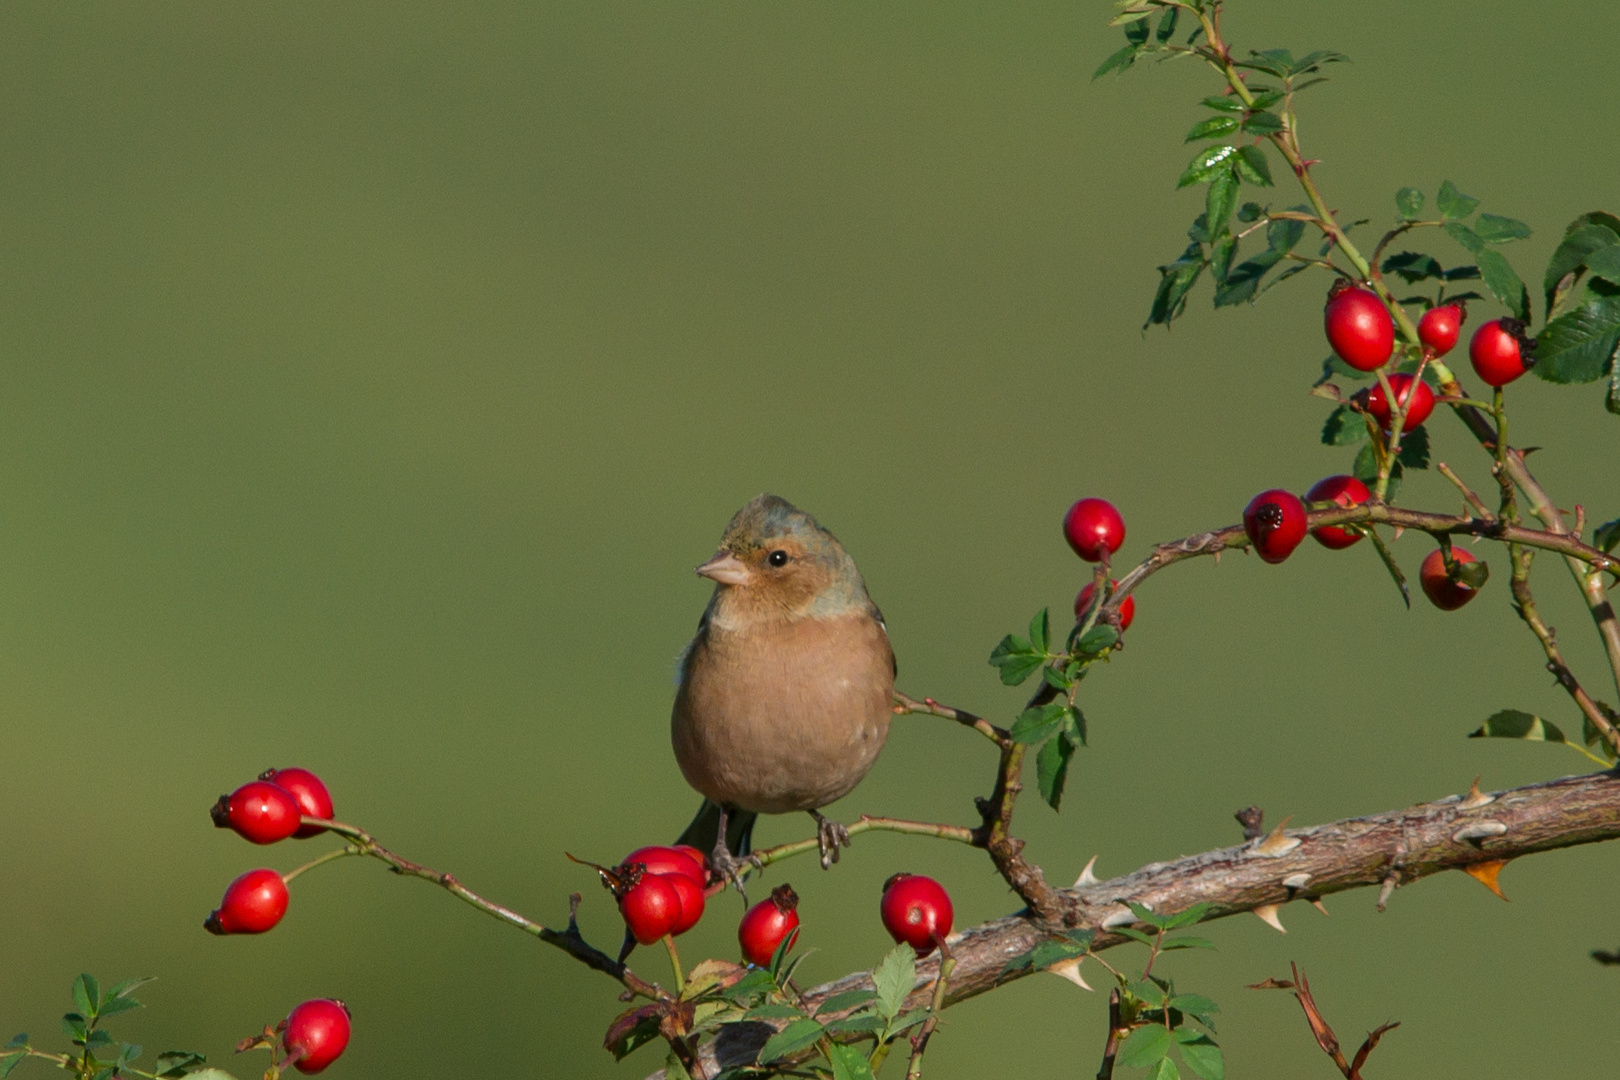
(1303, 864)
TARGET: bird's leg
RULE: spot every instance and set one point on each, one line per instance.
(724, 863)
(830, 836)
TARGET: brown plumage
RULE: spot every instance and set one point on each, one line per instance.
(787, 690)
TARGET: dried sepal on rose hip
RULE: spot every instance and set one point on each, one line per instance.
(260, 811)
(767, 924)
(1275, 521)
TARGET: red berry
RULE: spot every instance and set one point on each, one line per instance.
(698, 857)
(767, 924)
(1275, 522)
(1498, 351)
(253, 903)
(317, 1032)
(1417, 396)
(1359, 327)
(1346, 491)
(651, 908)
(669, 860)
(692, 902)
(1444, 593)
(313, 798)
(916, 910)
(1439, 328)
(1127, 610)
(259, 811)
(1093, 528)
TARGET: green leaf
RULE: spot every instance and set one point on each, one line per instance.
(1581, 239)
(1052, 769)
(114, 1005)
(1207, 163)
(773, 1011)
(1167, 25)
(1262, 123)
(1409, 203)
(1201, 1055)
(1251, 165)
(1265, 99)
(1278, 62)
(1175, 281)
(1311, 61)
(1194, 1004)
(1344, 427)
(1133, 934)
(1187, 917)
(74, 1025)
(791, 1039)
(1164, 1070)
(176, 1063)
(98, 1038)
(847, 1000)
(1605, 263)
(750, 985)
(1578, 346)
(1150, 992)
(1145, 914)
(1389, 562)
(1494, 229)
(1413, 267)
(1226, 103)
(1040, 631)
(1187, 941)
(673, 1069)
(848, 1063)
(18, 1040)
(1415, 448)
(1513, 724)
(1016, 659)
(894, 977)
(128, 986)
(1219, 201)
(1039, 723)
(1136, 31)
(1144, 1046)
(1504, 283)
(1097, 639)
(1074, 728)
(1119, 61)
(1250, 211)
(9, 1062)
(1606, 535)
(1215, 127)
(87, 995)
(1242, 281)
(1220, 256)
(862, 1023)
(1283, 234)
(1465, 236)
(1453, 204)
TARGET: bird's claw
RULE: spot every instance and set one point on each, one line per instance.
(730, 869)
(830, 836)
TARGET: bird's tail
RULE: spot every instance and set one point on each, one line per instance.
(705, 829)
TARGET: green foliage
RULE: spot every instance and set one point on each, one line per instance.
(1579, 346)
(1513, 724)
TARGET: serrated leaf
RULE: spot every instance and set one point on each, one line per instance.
(847, 1000)
(1220, 255)
(1251, 165)
(1214, 127)
(1219, 201)
(1494, 229)
(20, 1039)
(1262, 123)
(74, 1025)
(1201, 1055)
(1039, 723)
(1278, 62)
(1145, 914)
(629, 1030)
(1344, 427)
(1250, 211)
(774, 1011)
(9, 1062)
(1409, 203)
(1453, 204)
(848, 1063)
(1578, 346)
(894, 977)
(1605, 263)
(791, 1039)
(1118, 61)
(87, 995)
(1150, 992)
(98, 1038)
(1226, 103)
(1244, 279)
(175, 1063)
(1513, 724)
(1265, 99)
(755, 982)
(1097, 639)
(1581, 239)
(1175, 281)
(1606, 535)
(1052, 769)
(114, 1006)
(860, 1024)
(1074, 728)
(1415, 448)
(1207, 163)
(1040, 631)
(1194, 1004)
(1167, 25)
(1133, 934)
(1143, 1047)
(1465, 236)
(1504, 283)
(1136, 31)
(1187, 917)
(1164, 1070)
(1413, 266)
(1016, 659)
(1283, 234)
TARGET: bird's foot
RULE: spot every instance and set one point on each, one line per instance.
(830, 836)
(726, 866)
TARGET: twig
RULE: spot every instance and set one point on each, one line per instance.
(1325, 1038)
(904, 704)
(1525, 604)
(1474, 502)
(960, 833)
(1116, 1034)
(919, 1041)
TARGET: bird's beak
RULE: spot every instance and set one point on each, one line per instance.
(725, 568)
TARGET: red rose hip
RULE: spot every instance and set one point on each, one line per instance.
(1414, 393)
(767, 924)
(916, 910)
(669, 860)
(317, 1033)
(651, 908)
(1346, 491)
(313, 798)
(1444, 593)
(1127, 610)
(1094, 529)
(692, 901)
(259, 811)
(253, 903)
(1500, 352)
(1359, 327)
(1440, 327)
(1275, 521)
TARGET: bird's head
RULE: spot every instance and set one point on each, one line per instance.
(775, 558)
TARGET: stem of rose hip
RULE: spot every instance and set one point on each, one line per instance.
(330, 856)
(675, 963)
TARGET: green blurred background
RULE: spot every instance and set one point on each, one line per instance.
(375, 374)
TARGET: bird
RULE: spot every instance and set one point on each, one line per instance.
(787, 690)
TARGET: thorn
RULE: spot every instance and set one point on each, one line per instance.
(1398, 530)
(1122, 916)
(1070, 969)
(1086, 876)
(1316, 902)
(1475, 798)
(1384, 891)
(1295, 881)
(1276, 844)
(1480, 830)
(1486, 874)
(1268, 915)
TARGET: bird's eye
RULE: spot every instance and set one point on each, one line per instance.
(777, 558)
